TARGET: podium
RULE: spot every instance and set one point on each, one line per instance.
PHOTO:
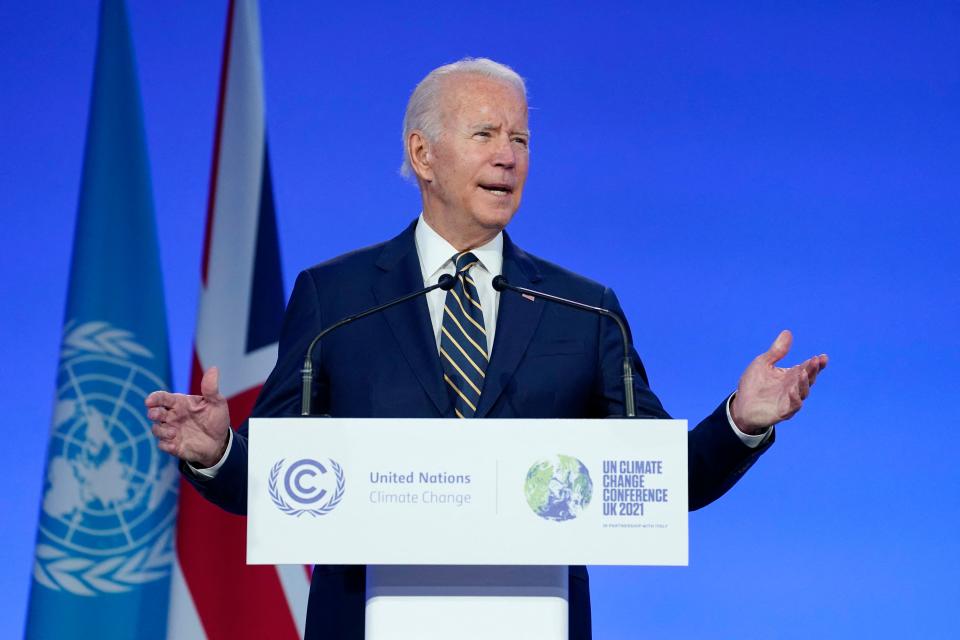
(467, 527)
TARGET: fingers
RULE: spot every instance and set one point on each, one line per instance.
(166, 435)
(166, 400)
(814, 366)
(795, 395)
(168, 415)
(167, 440)
(771, 394)
(806, 374)
(210, 383)
(209, 389)
(779, 348)
(169, 446)
(163, 432)
(160, 399)
(803, 385)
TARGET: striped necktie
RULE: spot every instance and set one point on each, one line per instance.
(463, 340)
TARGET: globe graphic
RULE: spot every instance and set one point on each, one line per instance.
(559, 488)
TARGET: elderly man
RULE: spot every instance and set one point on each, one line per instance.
(468, 352)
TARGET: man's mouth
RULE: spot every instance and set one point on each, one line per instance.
(497, 188)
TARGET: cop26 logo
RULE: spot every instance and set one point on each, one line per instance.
(110, 496)
(308, 485)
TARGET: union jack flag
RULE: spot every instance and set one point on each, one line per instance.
(215, 594)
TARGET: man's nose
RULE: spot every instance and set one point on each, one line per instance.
(504, 156)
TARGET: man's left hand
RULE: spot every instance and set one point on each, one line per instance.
(768, 394)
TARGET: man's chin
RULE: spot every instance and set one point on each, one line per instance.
(496, 218)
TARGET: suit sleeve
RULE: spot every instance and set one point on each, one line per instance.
(717, 458)
(279, 397)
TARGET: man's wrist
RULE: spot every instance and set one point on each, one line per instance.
(749, 439)
(209, 468)
(220, 453)
(739, 423)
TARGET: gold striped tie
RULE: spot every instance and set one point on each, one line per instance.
(463, 340)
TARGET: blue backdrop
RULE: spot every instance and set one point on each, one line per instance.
(748, 167)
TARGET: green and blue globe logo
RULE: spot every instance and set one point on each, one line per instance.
(558, 489)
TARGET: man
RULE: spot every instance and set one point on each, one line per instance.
(468, 352)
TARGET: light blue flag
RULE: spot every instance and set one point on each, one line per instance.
(104, 539)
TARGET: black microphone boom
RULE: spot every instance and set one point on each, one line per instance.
(445, 282)
(500, 283)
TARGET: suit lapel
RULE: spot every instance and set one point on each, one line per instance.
(517, 320)
(410, 321)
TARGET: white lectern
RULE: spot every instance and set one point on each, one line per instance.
(467, 526)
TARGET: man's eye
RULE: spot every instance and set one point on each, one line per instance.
(521, 141)
(482, 134)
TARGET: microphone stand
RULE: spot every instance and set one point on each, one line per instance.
(445, 282)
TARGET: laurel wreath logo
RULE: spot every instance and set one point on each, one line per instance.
(285, 507)
(54, 567)
(57, 570)
(100, 337)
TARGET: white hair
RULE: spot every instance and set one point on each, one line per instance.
(423, 110)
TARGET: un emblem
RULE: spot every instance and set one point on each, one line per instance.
(308, 484)
(110, 497)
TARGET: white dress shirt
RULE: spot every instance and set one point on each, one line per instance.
(436, 258)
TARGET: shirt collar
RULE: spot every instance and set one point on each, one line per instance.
(435, 253)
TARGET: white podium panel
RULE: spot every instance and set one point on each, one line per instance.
(467, 492)
(466, 603)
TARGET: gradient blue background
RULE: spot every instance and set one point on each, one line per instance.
(730, 170)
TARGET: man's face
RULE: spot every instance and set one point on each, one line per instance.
(479, 164)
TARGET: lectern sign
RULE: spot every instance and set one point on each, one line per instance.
(492, 492)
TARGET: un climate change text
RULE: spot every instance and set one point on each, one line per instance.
(625, 490)
(426, 493)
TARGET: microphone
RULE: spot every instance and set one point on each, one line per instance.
(500, 283)
(445, 282)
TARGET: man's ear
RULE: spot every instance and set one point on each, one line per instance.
(419, 153)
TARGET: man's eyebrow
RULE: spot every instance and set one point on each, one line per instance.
(486, 126)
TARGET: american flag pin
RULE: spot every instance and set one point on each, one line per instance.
(528, 297)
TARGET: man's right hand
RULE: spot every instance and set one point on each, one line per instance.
(192, 428)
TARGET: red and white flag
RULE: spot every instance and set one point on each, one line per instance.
(215, 594)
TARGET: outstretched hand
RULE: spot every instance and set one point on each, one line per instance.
(768, 394)
(192, 428)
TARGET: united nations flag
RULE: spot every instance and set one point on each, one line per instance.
(104, 539)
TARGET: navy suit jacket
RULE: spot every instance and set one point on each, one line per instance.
(548, 361)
